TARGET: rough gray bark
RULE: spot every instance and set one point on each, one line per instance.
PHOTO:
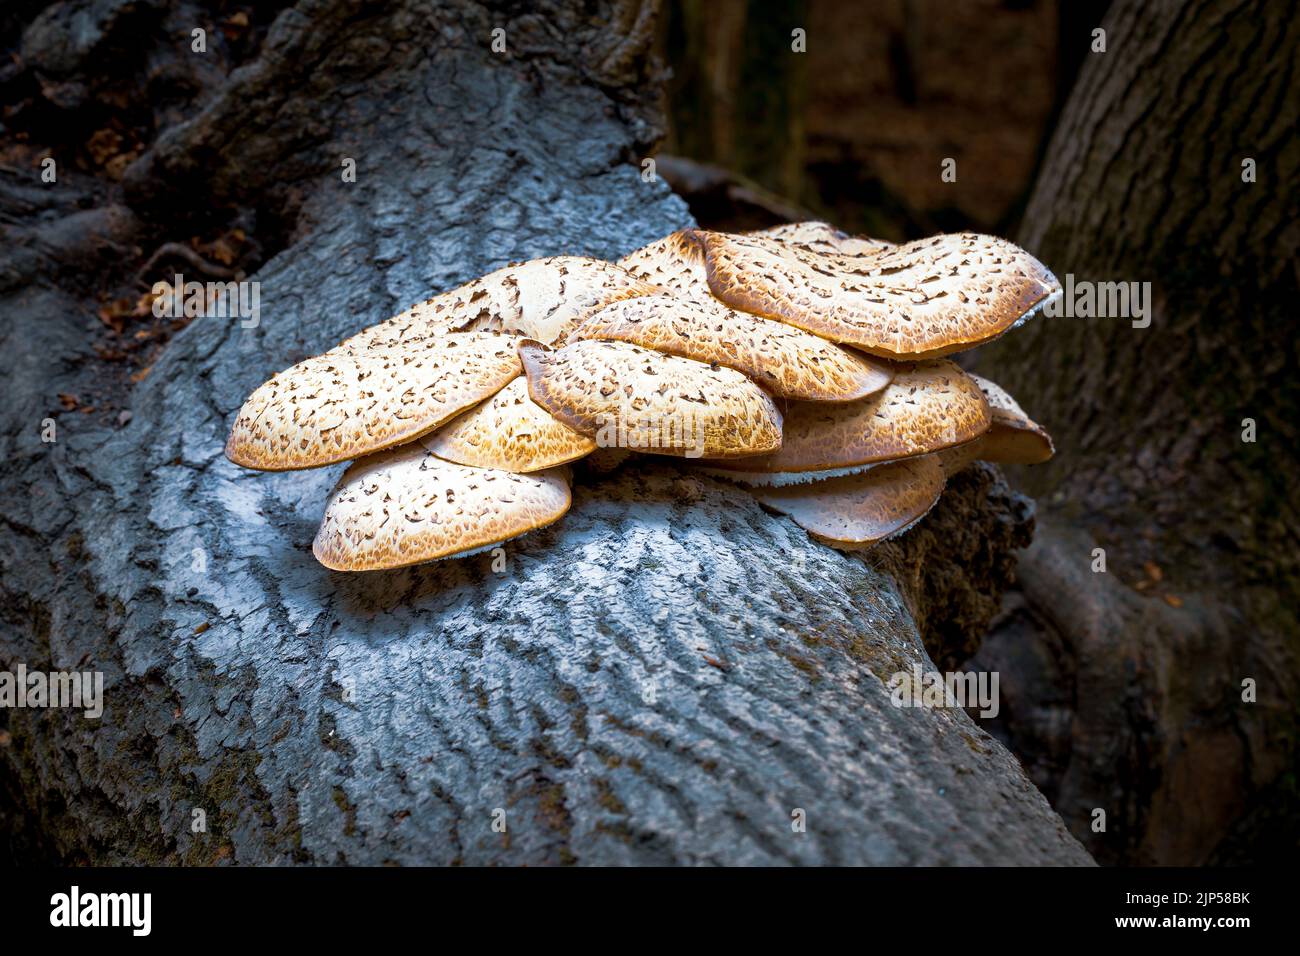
(1126, 688)
(663, 677)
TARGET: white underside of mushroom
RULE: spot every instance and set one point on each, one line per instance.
(1054, 297)
(781, 479)
(482, 550)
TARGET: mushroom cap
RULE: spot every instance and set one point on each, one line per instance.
(543, 299)
(1015, 446)
(785, 361)
(510, 432)
(406, 506)
(675, 262)
(342, 405)
(859, 510)
(956, 458)
(605, 461)
(629, 397)
(823, 237)
(1014, 438)
(918, 300)
(928, 406)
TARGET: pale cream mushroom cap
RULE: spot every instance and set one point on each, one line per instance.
(917, 300)
(823, 237)
(860, 510)
(543, 299)
(784, 361)
(1014, 438)
(928, 406)
(675, 262)
(511, 432)
(604, 461)
(625, 396)
(958, 457)
(342, 405)
(406, 506)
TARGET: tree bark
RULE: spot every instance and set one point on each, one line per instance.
(1133, 685)
(669, 675)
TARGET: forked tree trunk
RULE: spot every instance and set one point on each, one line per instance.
(669, 675)
(1126, 688)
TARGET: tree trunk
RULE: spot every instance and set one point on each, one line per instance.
(739, 90)
(1131, 698)
(669, 675)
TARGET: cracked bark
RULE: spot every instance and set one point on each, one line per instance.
(1118, 699)
(663, 677)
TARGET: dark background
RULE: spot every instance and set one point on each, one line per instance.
(854, 131)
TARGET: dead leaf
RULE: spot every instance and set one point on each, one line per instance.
(222, 251)
(144, 304)
(116, 167)
(115, 313)
(1173, 600)
(103, 145)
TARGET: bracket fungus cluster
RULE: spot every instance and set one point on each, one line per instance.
(799, 362)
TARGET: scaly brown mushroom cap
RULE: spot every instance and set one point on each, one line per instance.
(823, 237)
(954, 459)
(917, 300)
(928, 406)
(785, 361)
(625, 396)
(605, 461)
(342, 405)
(860, 510)
(406, 506)
(675, 262)
(510, 432)
(543, 299)
(1014, 438)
